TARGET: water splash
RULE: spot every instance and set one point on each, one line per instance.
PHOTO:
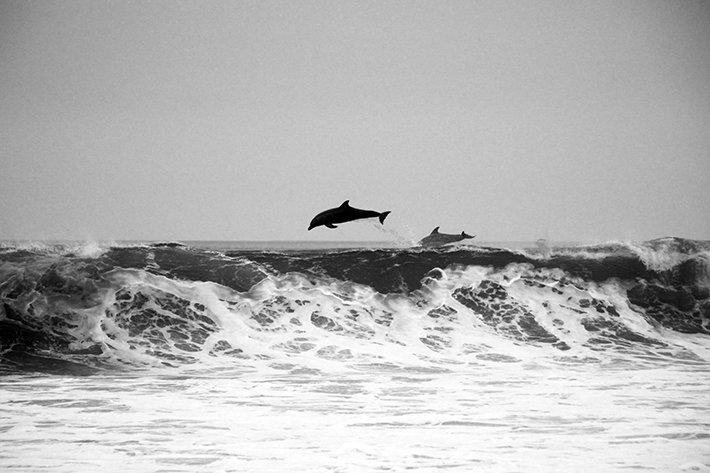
(402, 240)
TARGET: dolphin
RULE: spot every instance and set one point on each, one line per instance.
(439, 239)
(343, 214)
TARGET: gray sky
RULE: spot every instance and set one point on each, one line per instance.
(575, 120)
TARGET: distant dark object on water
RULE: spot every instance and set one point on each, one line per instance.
(439, 239)
(343, 214)
(168, 244)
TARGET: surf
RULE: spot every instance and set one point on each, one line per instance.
(173, 305)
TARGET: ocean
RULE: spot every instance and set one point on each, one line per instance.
(354, 357)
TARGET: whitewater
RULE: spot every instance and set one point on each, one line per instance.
(351, 357)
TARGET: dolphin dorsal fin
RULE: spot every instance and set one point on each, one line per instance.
(435, 231)
(345, 204)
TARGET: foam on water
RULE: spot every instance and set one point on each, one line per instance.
(458, 315)
(171, 358)
(503, 417)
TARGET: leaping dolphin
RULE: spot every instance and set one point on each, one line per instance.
(439, 239)
(343, 214)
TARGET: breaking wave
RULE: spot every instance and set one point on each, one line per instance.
(82, 308)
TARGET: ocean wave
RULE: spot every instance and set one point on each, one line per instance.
(661, 254)
(169, 304)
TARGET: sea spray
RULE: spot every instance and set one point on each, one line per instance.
(403, 238)
(171, 305)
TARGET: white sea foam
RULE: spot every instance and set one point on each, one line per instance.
(499, 417)
(321, 323)
(91, 249)
(495, 369)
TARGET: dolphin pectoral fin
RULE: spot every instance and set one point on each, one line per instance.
(330, 225)
(383, 216)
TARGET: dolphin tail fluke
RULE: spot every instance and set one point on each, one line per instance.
(383, 216)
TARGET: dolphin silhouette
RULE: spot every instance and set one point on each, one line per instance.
(343, 214)
(439, 239)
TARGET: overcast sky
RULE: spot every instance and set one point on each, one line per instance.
(240, 120)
